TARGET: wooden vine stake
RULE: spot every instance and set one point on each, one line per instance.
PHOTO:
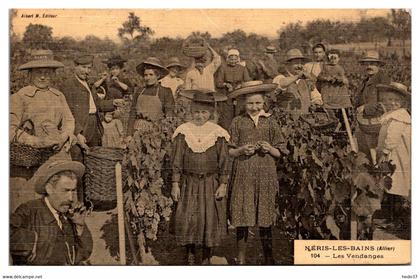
(120, 210)
(353, 221)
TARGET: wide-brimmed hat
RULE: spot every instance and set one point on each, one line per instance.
(295, 53)
(42, 58)
(83, 59)
(253, 86)
(270, 49)
(154, 62)
(203, 95)
(174, 62)
(371, 56)
(396, 87)
(52, 167)
(115, 60)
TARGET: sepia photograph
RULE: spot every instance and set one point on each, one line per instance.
(197, 137)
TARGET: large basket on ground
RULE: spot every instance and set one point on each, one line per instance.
(370, 126)
(24, 155)
(100, 187)
(194, 46)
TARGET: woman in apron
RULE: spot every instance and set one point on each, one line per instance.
(153, 102)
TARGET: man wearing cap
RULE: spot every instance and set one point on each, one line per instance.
(172, 80)
(297, 93)
(366, 102)
(268, 66)
(115, 84)
(229, 77)
(85, 105)
(41, 108)
(51, 230)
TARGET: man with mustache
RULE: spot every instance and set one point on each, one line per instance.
(51, 230)
(367, 101)
(295, 90)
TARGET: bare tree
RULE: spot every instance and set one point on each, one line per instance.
(133, 33)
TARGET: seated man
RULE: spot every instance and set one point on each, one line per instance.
(51, 230)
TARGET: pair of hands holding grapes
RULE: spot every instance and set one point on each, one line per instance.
(250, 149)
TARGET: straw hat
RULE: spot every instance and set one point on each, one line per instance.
(41, 59)
(154, 62)
(294, 53)
(52, 167)
(174, 62)
(371, 56)
(396, 87)
(254, 86)
(203, 96)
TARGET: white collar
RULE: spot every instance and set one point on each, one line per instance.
(54, 212)
(201, 138)
(257, 117)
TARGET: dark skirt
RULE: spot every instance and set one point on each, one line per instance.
(200, 219)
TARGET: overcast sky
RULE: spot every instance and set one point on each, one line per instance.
(172, 23)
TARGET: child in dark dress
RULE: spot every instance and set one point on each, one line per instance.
(256, 139)
(199, 180)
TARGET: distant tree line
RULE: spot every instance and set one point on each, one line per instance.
(136, 38)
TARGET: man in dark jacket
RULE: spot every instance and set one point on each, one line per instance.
(51, 230)
(367, 102)
(367, 93)
(85, 105)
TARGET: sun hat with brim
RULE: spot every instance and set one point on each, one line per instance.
(174, 62)
(371, 56)
(396, 87)
(116, 60)
(151, 62)
(293, 54)
(84, 59)
(270, 49)
(41, 59)
(254, 86)
(203, 95)
(52, 167)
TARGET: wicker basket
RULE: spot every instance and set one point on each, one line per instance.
(321, 121)
(24, 155)
(194, 46)
(370, 126)
(100, 180)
